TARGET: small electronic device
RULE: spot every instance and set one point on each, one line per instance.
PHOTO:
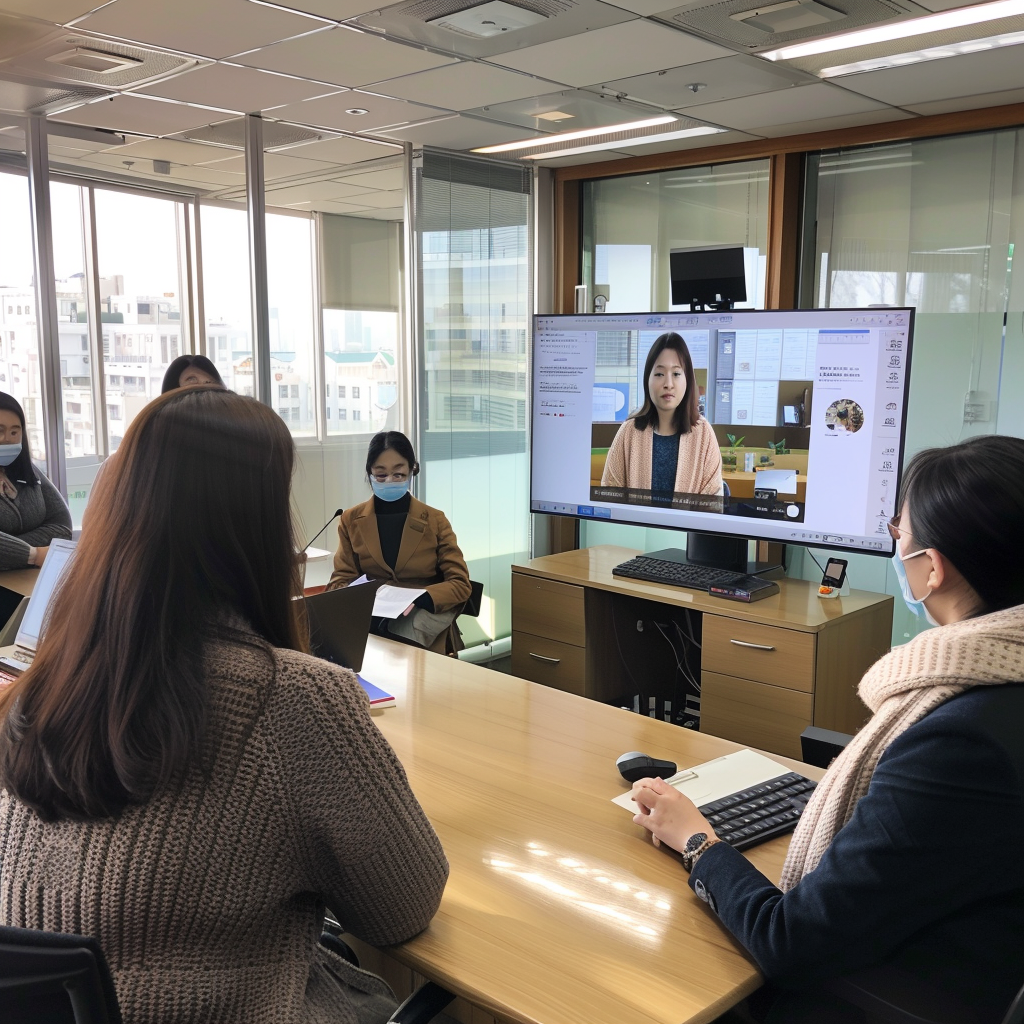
(791, 415)
(753, 588)
(833, 578)
(635, 765)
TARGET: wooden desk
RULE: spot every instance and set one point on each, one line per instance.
(558, 909)
(767, 669)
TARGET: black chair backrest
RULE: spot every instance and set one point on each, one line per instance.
(1015, 1015)
(48, 978)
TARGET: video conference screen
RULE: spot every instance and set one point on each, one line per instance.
(796, 434)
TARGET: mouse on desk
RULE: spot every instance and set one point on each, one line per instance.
(635, 765)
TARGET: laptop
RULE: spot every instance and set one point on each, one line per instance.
(33, 624)
(339, 623)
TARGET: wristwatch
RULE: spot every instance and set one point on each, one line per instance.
(695, 846)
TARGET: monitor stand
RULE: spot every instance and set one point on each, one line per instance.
(718, 552)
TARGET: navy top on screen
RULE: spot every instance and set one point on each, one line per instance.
(927, 876)
(663, 463)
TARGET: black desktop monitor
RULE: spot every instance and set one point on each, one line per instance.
(711, 276)
(831, 480)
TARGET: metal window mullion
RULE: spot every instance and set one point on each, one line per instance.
(412, 294)
(48, 332)
(184, 230)
(319, 351)
(94, 313)
(257, 210)
(199, 339)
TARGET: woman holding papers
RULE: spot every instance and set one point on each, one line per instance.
(178, 779)
(666, 446)
(909, 853)
(396, 538)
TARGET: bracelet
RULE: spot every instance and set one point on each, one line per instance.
(696, 847)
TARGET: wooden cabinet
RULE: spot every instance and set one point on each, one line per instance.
(767, 669)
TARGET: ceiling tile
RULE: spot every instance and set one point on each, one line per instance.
(585, 158)
(620, 51)
(343, 57)
(327, 206)
(697, 142)
(387, 178)
(329, 112)
(465, 85)
(395, 213)
(336, 10)
(785, 106)
(58, 11)
(216, 29)
(586, 110)
(723, 79)
(118, 158)
(179, 172)
(379, 200)
(141, 115)
(245, 90)
(965, 75)
(312, 190)
(169, 149)
(461, 132)
(343, 150)
(274, 165)
(991, 99)
(832, 124)
(645, 8)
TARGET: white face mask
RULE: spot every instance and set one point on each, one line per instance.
(8, 453)
(915, 604)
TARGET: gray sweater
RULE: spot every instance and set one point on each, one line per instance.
(208, 900)
(35, 517)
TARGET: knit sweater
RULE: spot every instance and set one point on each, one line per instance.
(208, 900)
(698, 467)
(31, 520)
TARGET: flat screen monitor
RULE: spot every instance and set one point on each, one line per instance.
(832, 480)
(710, 275)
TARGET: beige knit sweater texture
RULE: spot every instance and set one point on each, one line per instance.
(900, 689)
(208, 900)
(630, 461)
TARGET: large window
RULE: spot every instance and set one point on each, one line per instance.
(630, 224)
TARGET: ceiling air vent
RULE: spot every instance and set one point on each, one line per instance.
(84, 58)
(24, 96)
(741, 25)
(231, 134)
(490, 19)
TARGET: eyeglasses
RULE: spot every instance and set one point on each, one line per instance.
(895, 531)
(397, 478)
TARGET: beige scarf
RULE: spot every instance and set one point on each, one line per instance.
(900, 689)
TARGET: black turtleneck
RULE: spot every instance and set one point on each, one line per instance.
(391, 516)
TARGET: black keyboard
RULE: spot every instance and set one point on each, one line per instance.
(683, 574)
(760, 813)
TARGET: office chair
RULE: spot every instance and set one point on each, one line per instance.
(9, 632)
(891, 996)
(49, 978)
(821, 747)
(476, 596)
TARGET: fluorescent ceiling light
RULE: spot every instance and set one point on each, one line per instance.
(898, 60)
(902, 29)
(582, 133)
(685, 133)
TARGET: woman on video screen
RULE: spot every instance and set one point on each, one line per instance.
(666, 446)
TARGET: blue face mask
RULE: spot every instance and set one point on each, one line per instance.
(9, 452)
(916, 605)
(390, 491)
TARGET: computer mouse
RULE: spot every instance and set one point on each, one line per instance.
(634, 765)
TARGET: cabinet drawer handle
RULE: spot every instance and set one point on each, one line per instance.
(757, 647)
(540, 657)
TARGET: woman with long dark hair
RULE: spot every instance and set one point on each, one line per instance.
(397, 538)
(909, 852)
(179, 779)
(189, 370)
(666, 446)
(32, 512)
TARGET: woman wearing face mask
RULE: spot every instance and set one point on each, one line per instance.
(189, 371)
(396, 538)
(909, 852)
(32, 512)
(666, 446)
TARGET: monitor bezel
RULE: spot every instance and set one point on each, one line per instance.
(750, 536)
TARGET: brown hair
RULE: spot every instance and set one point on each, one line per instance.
(188, 538)
(688, 411)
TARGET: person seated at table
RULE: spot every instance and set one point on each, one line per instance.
(187, 371)
(32, 511)
(397, 538)
(909, 852)
(666, 446)
(180, 780)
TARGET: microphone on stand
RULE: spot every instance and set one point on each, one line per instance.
(324, 527)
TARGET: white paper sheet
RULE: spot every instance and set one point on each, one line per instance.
(390, 601)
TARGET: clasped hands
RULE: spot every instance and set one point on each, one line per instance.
(667, 814)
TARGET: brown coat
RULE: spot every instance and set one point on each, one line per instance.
(428, 557)
(208, 899)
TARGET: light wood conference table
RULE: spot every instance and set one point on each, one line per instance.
(558, 910)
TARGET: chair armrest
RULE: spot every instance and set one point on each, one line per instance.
(893, 996)
(422, 1006)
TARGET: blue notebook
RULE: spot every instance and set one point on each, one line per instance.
(378, 697)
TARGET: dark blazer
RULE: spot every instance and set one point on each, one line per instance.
(927, 876)
(428, 557)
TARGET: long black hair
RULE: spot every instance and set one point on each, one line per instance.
(172, 378)
(688, 411)
(967, 502)
(21, 470)
(393, 440)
